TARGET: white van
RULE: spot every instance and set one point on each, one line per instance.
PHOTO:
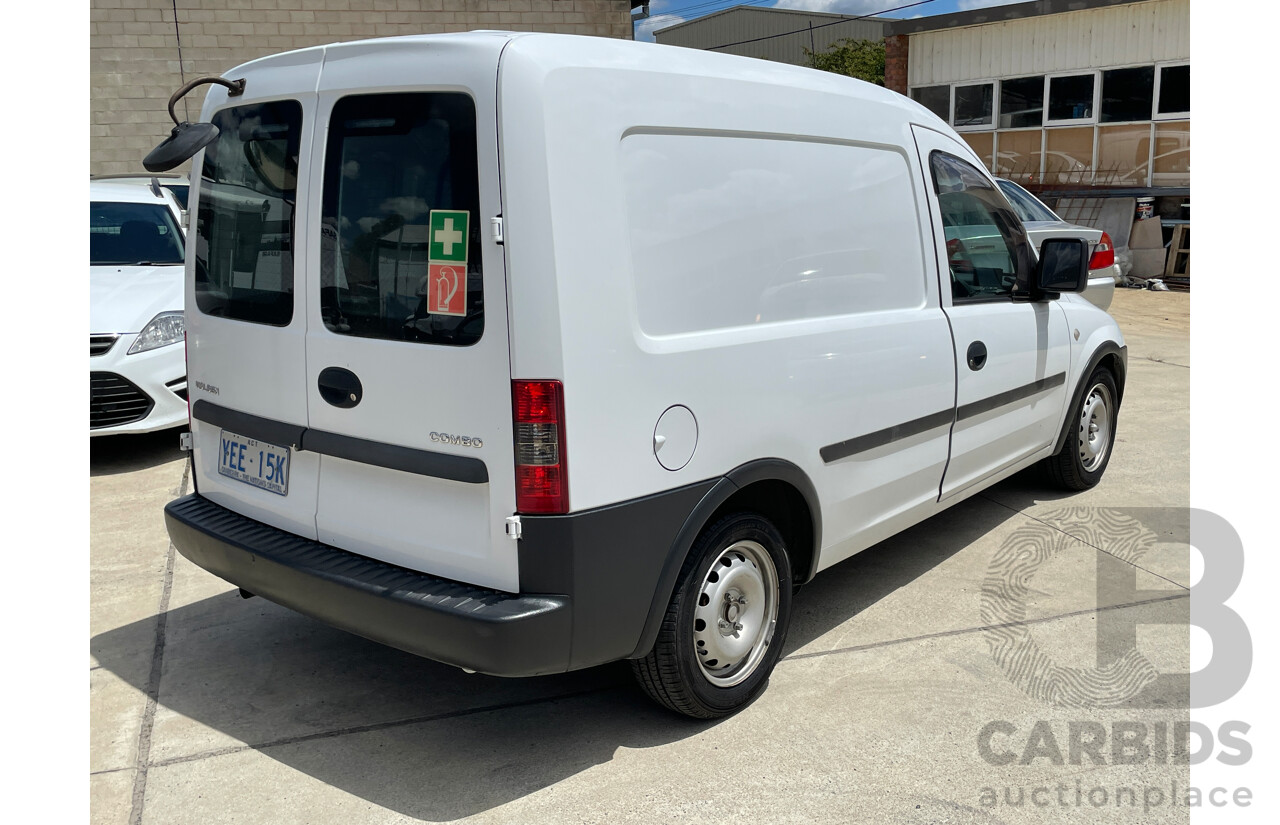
(527, 353)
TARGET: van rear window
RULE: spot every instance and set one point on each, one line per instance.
(244, 227)
(400, 234)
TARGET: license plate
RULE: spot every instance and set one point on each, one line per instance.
(254, 462)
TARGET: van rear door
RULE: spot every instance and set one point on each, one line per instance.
(408, 369)
(245, 309)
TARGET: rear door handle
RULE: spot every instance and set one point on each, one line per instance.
(977, 355)
(340, 387)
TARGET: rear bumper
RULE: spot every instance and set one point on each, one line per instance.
(484, 630)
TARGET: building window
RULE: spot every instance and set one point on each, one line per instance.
(1071, 97)
(1175, 91)
(1018, 155)
(973, 105)
(1068, 155)
(983, 145)
(1123, 155)
(1127, 94)
(1022, 102)
(1172, 161)
(936, 99)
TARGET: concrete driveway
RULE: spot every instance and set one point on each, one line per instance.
(913, 672)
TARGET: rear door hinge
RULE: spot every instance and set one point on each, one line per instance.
(495, 226)
(513, 527)
(184, 442)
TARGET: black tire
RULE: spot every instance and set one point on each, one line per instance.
(1073, 467)
(672, 673)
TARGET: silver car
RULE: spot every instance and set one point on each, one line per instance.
(1041, 223)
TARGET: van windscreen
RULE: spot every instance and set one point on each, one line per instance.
(400, 234)
(244, 226)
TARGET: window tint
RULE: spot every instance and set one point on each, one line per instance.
(1126, 94)
(1021, 102)
(936, 99)
(1175, 90)
(973, 105)
(1071, 98)
(245, 224)
(400, 236)
(987, 249)
(132, 233)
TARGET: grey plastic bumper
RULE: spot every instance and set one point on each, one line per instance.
(488, 631)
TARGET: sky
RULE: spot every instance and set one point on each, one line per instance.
(663, 13)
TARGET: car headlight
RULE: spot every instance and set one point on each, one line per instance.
(161, 331)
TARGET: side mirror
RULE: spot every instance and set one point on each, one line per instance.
(187, 138)
(1063, 266)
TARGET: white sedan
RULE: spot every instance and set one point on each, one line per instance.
(137, 363)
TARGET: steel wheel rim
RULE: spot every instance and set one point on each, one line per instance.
(1095, 428)
(736, 613)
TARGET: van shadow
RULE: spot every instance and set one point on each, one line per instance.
(115, 454)
(425, 739)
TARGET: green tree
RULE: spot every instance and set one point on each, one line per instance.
(863, 59)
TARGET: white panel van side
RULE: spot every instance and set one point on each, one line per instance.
(722, 324)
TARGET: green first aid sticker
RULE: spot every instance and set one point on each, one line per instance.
(448, 241)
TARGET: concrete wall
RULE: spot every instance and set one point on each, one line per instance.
(140, 51)
(748, 23)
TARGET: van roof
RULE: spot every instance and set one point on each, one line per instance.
(556, 51)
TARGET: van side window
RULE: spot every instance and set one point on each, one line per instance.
(244, 228)
(987, 248)
(400, 226)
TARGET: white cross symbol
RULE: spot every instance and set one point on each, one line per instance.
(448, 236)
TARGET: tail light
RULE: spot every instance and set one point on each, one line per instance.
(1104, 254)
(542, 483)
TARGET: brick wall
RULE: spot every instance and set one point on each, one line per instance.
(134, 48)
(895, 62)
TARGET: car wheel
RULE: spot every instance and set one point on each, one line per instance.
(725, 626)
(1084, 455)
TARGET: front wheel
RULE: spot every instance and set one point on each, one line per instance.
(1084, 455)
(724, 628)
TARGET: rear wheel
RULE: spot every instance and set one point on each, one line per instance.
(1084, 455)
(724, 628)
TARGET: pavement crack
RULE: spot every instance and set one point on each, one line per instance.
(1085, 542)
(982, 628)
(376, 726)
(153, 679)
(1170, 363)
